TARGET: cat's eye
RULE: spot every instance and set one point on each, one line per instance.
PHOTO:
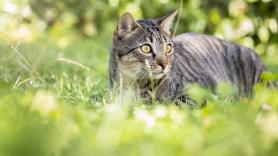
(145, 48)
(168, 48)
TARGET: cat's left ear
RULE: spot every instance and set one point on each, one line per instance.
(167, 23)
(126, 25)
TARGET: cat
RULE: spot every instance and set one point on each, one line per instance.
(146, 56)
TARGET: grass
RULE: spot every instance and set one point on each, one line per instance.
(55, 101)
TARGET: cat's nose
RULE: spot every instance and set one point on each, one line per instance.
(163, 66)
(162, 60)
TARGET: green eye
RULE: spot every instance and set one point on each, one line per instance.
(168, 48)
(145, 48)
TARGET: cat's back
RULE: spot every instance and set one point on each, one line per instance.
(196, 40)
(209, 48)
(188, 36)
(211, 60)
(201, 46)
(207, 45)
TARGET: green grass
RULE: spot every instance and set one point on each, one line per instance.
(54, 101)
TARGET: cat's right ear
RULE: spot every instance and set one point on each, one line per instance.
(126, 25)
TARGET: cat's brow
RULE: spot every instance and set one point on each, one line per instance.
(154, 34)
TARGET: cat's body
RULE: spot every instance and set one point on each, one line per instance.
(193, 58)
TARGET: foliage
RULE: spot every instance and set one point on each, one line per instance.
(53, 83)
(249, 22)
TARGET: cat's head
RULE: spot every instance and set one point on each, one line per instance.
(144, 47)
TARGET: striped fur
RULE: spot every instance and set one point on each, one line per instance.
(196, 58)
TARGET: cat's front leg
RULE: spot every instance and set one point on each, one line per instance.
(164, 92)
(146, 95)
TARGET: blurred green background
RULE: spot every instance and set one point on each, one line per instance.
(53, 82)
(249, 22)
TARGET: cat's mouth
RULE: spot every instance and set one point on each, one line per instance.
(156, 73)
(155, 70)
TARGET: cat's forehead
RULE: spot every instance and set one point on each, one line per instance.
(148, 23)
(152, 32)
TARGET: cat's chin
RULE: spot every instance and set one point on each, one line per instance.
(157, 75)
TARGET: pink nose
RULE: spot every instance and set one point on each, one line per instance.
(163, 65)
(162, 60)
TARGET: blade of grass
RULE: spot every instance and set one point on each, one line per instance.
(75, 63)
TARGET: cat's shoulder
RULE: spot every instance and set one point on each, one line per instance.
(191, 36)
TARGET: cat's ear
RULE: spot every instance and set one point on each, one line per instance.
(167, 23)
(126, 24)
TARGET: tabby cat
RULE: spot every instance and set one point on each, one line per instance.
(146, 56)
